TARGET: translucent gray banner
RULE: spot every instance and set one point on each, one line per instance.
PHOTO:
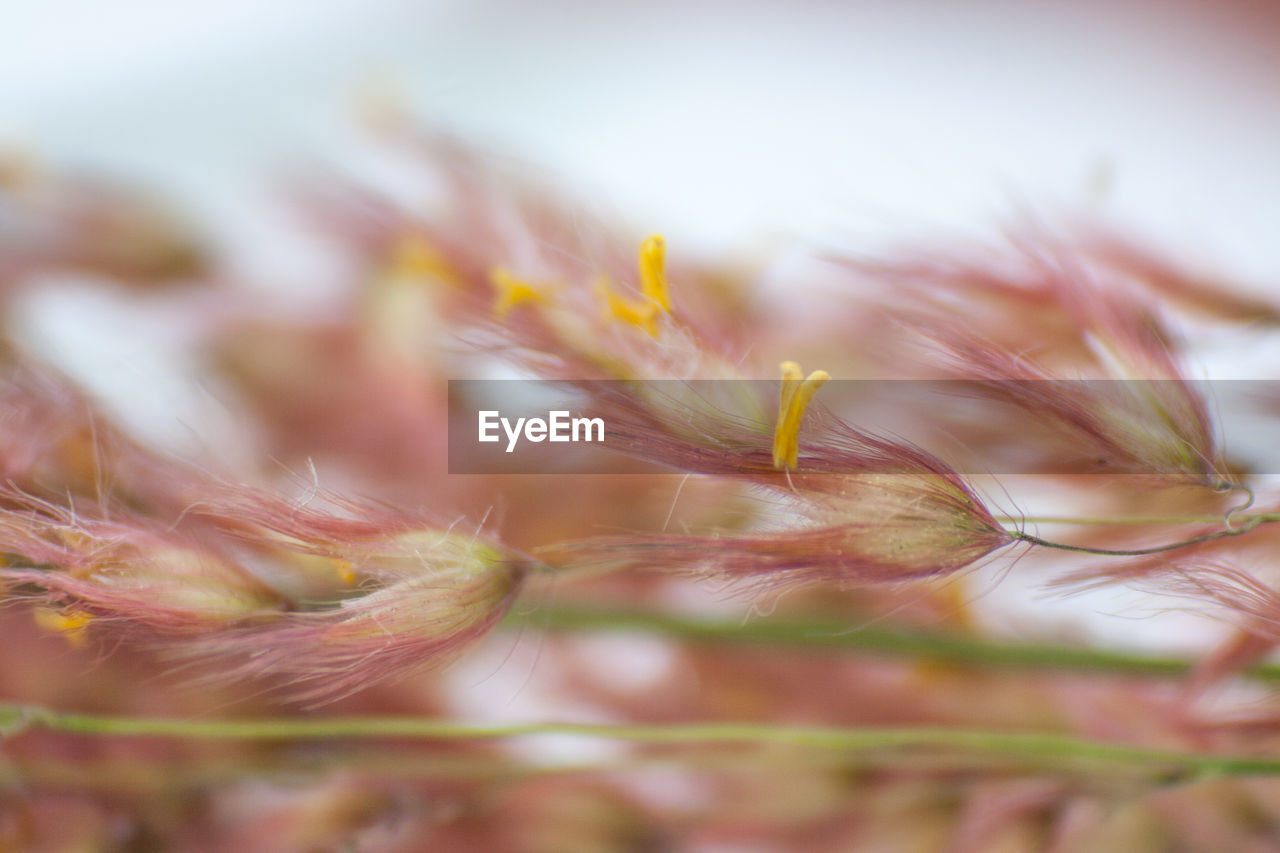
(976, 427)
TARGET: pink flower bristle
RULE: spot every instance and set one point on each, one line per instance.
(1035, 294)
(1144, 424)
(91, 226)
(1196, 294)
(393, 631)
(1073, 344)
(149, 583)
(1243, 595)
(128, 570)
(280, 595)
(870, 510)
(851, 554)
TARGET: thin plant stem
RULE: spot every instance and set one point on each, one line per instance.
(113, 775)
(1245, 526)
(832, 635)
(1106, 521)
(930, 746)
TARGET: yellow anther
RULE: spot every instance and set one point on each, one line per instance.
(512, 291)
(70, 536)
(793, 402)
(792, 377)
(641, 314)
(414, 257)
(70, 623)
(653, 276)
(346, 571)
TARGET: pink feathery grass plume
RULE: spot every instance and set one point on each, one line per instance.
(54, 441)
(410, 595)
(59, 445)
(858, 509)
(127, 575)
(1195, 293)
(1246, 599)
(1155, 427)
(320, 390)
(580, 325)
(878, 547)
(521, 272)
(454, 594)
(321, 603)
(1037, 293)
(1229, 592)
(58, 222)
(1104, 372)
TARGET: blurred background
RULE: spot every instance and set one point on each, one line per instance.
(720, 122)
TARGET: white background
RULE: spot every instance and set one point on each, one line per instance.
(714, 122)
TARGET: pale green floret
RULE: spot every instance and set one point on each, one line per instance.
(416, 551)
(188, 581)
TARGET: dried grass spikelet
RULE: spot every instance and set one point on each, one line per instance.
(1157, 427)
(881, 529)
(857, 509)
(128, 575)
(400, 595)
(580, 326)
(436, 603)
(528, 276)
(416, 595)
(1050, 331)
(1245, 597)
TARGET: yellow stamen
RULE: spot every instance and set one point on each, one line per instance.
(642, 315)
(346, 571)
(512, 291)
(70, 623)
(792, 376)
(793, 402)
(414, 257)
(72, 537)
(653, 277)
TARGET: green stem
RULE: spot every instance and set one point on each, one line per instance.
(114, 775)
(1105, 521)
(834, 635)
(1238, 528)
(931, 746)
